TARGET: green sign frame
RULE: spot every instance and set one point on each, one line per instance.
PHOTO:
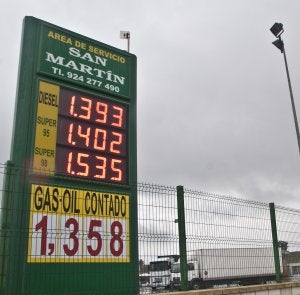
(32, 261)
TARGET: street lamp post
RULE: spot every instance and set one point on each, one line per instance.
(277, 30)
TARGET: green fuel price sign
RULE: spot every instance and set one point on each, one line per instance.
(75, 214)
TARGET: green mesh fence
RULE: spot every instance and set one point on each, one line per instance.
(227, 242)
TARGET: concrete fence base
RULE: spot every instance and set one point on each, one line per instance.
(290, 288)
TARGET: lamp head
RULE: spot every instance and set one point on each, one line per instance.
(277, 29)
(279, 44)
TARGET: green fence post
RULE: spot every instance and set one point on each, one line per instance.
(275, 243)
(182, 238)
(5, 223)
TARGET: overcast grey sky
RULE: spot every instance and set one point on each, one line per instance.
(214, 110)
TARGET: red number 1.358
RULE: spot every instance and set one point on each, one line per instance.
(73, 241)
